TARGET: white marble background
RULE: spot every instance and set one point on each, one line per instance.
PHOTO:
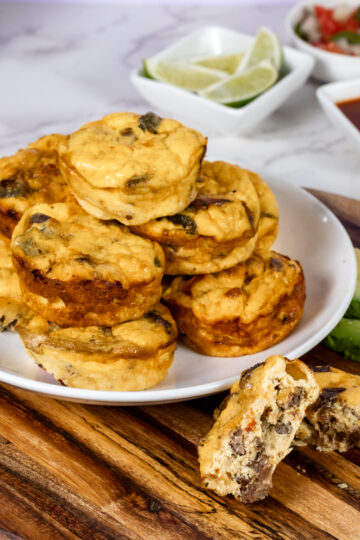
(62, 65)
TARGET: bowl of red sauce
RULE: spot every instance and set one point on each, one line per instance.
(330, 31)
(341, 103)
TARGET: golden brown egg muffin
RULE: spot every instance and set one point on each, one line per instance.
(332, 423)
(133, 168)
(11, 304)
(30, 177)
(255, 428)
(218, 229)
(242, 310)
(133, 355)
(76, 270)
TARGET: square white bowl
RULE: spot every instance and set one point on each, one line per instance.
(204, 114)
(329, 66)
(330, 94)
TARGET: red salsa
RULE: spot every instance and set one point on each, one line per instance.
(351, 109)
(334, 29)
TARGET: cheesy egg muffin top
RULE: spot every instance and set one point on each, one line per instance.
(61, 242)
(133, 168)
(131, 356)
(243, 292)
(140, 338)
(226, 208)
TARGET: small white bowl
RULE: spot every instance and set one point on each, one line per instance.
(330, 94)
(329, 66)
(204, 114)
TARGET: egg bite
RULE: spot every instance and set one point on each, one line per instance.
(133, 355)
(332, 423)
(76, 270)
(234, 214)
(255, 427)
(242, 310)
(133, 168)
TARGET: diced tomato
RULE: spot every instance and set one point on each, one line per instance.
(329, 26)
(350, 25)
(332, 47)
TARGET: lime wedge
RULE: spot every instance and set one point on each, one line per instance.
(187, 76)
(222, 62)
(239, 89)
(265, 47)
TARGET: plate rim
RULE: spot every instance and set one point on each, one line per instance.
(153, 396)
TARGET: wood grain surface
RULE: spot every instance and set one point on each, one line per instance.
(75, 471)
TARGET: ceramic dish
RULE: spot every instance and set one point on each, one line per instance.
(329, 66)
(204, 114)
(330, 94)
(308, 232)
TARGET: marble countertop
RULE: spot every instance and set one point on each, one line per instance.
(63, 65)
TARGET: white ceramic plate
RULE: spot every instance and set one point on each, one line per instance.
(308, 232)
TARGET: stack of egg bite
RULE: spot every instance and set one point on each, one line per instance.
(98, 217)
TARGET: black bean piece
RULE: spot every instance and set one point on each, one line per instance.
(149, 122)
(157, 262)
(13, 187)
(204, 201)
(85, 259)
(38, 218)
(127, 132)
(329, 394)
(276, 264)
(246, 373)
(137, 180)
(186, 222)
(157, 319)
(320, 369)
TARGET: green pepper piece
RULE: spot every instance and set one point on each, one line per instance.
(352, 37)
(300, 33)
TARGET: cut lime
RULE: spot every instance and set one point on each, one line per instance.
(265, 47)
(239, 89)
(187, 76)
(222, 62)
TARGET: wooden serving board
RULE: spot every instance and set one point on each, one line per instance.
(75, 471)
